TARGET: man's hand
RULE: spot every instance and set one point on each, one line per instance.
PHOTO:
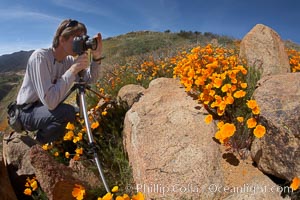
(98, 52)
(81, 63)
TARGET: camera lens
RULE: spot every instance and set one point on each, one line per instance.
(92, 44)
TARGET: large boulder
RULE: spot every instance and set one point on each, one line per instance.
(55, 178)
(263, 49)
(170, 148)
(278, 152)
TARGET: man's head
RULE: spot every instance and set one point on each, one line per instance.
(68, 28)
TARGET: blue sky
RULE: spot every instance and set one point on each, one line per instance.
(27, 25)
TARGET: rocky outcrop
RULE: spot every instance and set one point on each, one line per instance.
(278, 152)
(17, 161)
(25, 158)
(263, 49)
(168, 145)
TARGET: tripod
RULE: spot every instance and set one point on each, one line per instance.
(82, 86)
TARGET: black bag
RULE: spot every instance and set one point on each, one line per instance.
(13, 111)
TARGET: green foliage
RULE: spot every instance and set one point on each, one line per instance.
(109, 144)
(243, 138)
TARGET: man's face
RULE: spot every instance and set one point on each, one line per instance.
(68, 44)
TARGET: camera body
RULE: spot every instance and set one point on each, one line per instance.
(83, 43)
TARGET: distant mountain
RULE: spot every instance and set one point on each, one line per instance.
(15, 61)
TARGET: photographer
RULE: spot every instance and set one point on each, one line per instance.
(49, 76)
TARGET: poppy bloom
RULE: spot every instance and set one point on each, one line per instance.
(251, 104)
(240, 119)
(67, 155)
(259, 131)
(138, 196)
(244, 85)
(226, 87)
(295, 183)
(239, 94)
(70, 126)
(256, 110)
(115, 189)
(95, 125)
(251, 123)
(218, 83)
(69, 135)
(226, 131)
(208, 119)
(79, 150)
(28, 191)
(229, 99)
(108, 196)
(78, 192)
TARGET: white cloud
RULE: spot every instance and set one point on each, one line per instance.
(23, 13)
(84, 6)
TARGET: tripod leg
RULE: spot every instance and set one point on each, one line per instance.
(91, 140)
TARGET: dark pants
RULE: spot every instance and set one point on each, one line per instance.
(49, 123)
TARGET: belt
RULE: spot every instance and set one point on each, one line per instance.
(26, 106)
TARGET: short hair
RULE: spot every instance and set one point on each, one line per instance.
(66, 29)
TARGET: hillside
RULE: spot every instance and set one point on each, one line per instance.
(120, 49)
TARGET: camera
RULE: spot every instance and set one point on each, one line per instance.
(83, 43)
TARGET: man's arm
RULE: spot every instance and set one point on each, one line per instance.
(50, 94)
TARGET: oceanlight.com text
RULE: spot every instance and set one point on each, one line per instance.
(247, 188)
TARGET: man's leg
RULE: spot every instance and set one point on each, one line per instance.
(49, 123)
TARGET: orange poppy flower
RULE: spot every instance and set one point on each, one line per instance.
(259, 131)
(295, 183)
(240, 119)
(226, 131)
(208, 119)
(218, 82)
(78, 192)
(251, 104)
(256, 110)
(95, 125)
(251, 123)
(239, 94)
(244, 85)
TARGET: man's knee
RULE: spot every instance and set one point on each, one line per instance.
(65, 112)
